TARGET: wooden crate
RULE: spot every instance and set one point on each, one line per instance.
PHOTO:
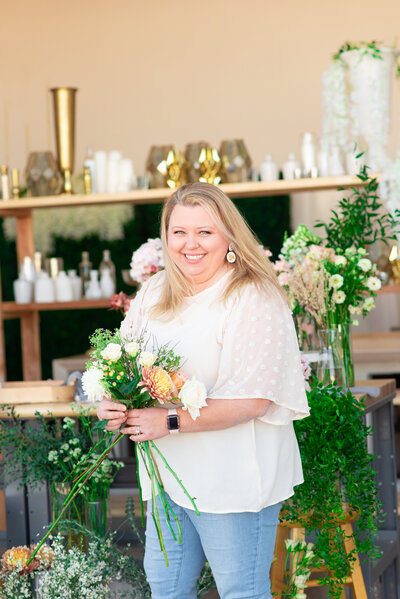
(34, 392)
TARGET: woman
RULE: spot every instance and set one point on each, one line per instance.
(218, 303)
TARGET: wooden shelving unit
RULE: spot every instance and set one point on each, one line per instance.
(22, 210)
(154, 196)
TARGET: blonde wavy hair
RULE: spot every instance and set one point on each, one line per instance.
(252, 264)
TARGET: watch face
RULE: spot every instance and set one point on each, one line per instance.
(172, 422)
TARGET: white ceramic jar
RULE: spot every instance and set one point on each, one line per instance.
(63, 287)
(44, 288)
(23, 290)
(290, 167)
(76, 283)
(269, 169)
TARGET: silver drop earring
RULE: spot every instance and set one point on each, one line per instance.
(231, 256)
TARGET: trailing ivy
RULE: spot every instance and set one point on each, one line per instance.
(338, 480)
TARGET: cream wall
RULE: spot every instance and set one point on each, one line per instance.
(153, 72)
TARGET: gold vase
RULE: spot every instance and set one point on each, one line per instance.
(64, 120)
(192, 155)
(236, 162)
(156, 165)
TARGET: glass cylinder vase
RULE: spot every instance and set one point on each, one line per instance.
(346, 351)
(59, 492)
(96, 516)
(330, 364)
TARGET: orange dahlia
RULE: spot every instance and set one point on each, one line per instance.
(158, 383)
(16, 560)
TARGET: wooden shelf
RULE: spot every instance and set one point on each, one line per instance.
(14, 310)
(153, 196)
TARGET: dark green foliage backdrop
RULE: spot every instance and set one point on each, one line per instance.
(65, 333)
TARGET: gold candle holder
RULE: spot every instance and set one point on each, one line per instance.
(15, 183)
(64, 121)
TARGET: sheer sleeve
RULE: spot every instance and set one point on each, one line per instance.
(260, 357)
(136, 317)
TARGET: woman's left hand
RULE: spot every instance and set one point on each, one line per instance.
(146, 424)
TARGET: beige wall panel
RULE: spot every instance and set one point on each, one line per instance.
(176, 71)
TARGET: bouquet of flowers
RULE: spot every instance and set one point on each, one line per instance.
(127, 372)
(147, 260)
(331, 285)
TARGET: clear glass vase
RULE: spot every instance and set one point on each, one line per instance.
(344, 329)
(96, 516)
(330, 364)
(59, 492)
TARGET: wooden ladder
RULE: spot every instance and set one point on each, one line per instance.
(354, 581)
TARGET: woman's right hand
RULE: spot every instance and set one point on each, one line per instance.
(114, 412)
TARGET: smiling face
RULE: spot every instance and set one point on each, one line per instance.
(197, 246)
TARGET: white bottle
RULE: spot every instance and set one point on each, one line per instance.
(90, 163)
(308, 155)
(63, 287)
(93, 290)
(76, 283)
(107, 284)
(44, 288)
(289, 167)
(27, 271)
(268, 169)
(22, 290)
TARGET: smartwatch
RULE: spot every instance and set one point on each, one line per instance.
(173, 421)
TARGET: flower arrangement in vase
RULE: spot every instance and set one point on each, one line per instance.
(333, 280)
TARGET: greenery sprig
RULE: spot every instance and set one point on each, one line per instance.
(338, 480)
(361, 218)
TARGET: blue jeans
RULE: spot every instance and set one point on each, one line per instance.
(239, 548)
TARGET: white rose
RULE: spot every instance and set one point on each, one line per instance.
(91, 384)
(340, 260)
(132, 348)
(336, 281)
(365, 264)
(112, 352)
(193, 396)
(147, 359)
(374, 283)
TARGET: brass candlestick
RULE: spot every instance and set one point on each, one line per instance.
(64, 120)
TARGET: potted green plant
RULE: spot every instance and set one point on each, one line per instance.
(339, 481)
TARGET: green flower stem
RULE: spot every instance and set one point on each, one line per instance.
(140, 486)
(80, 482)
(175, 476)
(156, 519)
(160, 488)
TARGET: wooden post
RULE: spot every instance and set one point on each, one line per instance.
(2, 342)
